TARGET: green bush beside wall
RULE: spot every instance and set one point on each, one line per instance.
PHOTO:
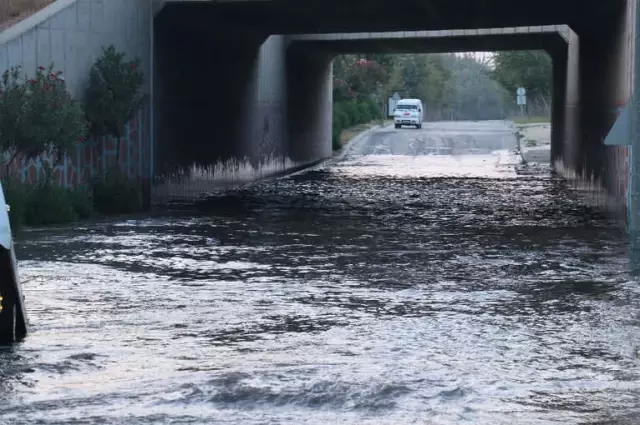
(46, 203)
(350, 113)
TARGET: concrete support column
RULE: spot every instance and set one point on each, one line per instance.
(570, 146)
(605, 85)
(310, 102)
(264, 136)
(204, 89)
(559, 87)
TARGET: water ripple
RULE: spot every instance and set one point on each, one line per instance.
(373, 290)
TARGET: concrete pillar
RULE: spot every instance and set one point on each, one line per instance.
(605, 85)
(559, 87)
(204, 84)
(264, 137)
(570, 146)
(310, 103)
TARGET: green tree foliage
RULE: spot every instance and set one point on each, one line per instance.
(529, 69)
(471, 92)
(114, 94)
(38, 114)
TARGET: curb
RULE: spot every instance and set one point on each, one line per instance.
(338, 155)
(349, 145)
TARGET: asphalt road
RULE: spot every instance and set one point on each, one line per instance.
(441, 138)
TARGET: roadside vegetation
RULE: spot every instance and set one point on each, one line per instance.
(452, 87)
(531, 120)
(40, 120)
(12, 11)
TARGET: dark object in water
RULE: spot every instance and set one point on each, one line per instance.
(13, 318)
(13, 321)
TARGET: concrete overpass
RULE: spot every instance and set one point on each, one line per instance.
(237, 92)
(234, 101)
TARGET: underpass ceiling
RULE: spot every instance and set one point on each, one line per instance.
(330, 16)
(550, 42)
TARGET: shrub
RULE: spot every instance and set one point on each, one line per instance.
(81, 201)
(114, 193)
(48, 203)
(340, 116)
(374, 109)
(45, 203)
(114, 95)
(336, 143)
(38, 114)
(351, 110)
(340, 123)
(365, 112)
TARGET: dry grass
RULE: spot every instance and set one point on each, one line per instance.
(13, 11)
(352, 132)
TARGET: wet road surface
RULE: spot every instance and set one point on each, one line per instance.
(418, 279)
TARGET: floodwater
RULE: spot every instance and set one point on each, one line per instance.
(418, 279)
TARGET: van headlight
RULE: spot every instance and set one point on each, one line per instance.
(8, 208)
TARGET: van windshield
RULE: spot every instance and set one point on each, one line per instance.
(407, 107)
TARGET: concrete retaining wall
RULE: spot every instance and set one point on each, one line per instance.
(70, 34)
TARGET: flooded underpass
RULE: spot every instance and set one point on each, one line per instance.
(417, 279)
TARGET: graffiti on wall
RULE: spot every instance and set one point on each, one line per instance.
(90, 158)
(619, 167)
(620, 161)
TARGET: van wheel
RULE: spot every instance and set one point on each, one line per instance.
(398, 126)
(418, 126)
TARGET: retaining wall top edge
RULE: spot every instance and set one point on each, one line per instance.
(34, 20)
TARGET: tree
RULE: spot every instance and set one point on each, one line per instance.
(529, 69)
(114, 95)
(38, 114)
(450, 86)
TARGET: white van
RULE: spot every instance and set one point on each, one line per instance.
(408, 112)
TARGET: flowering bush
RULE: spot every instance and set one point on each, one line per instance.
(38, 115)
(114, 94)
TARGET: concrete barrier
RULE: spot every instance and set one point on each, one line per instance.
(13, 317)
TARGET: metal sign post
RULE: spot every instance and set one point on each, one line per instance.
(521, 99)
(380, 98)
